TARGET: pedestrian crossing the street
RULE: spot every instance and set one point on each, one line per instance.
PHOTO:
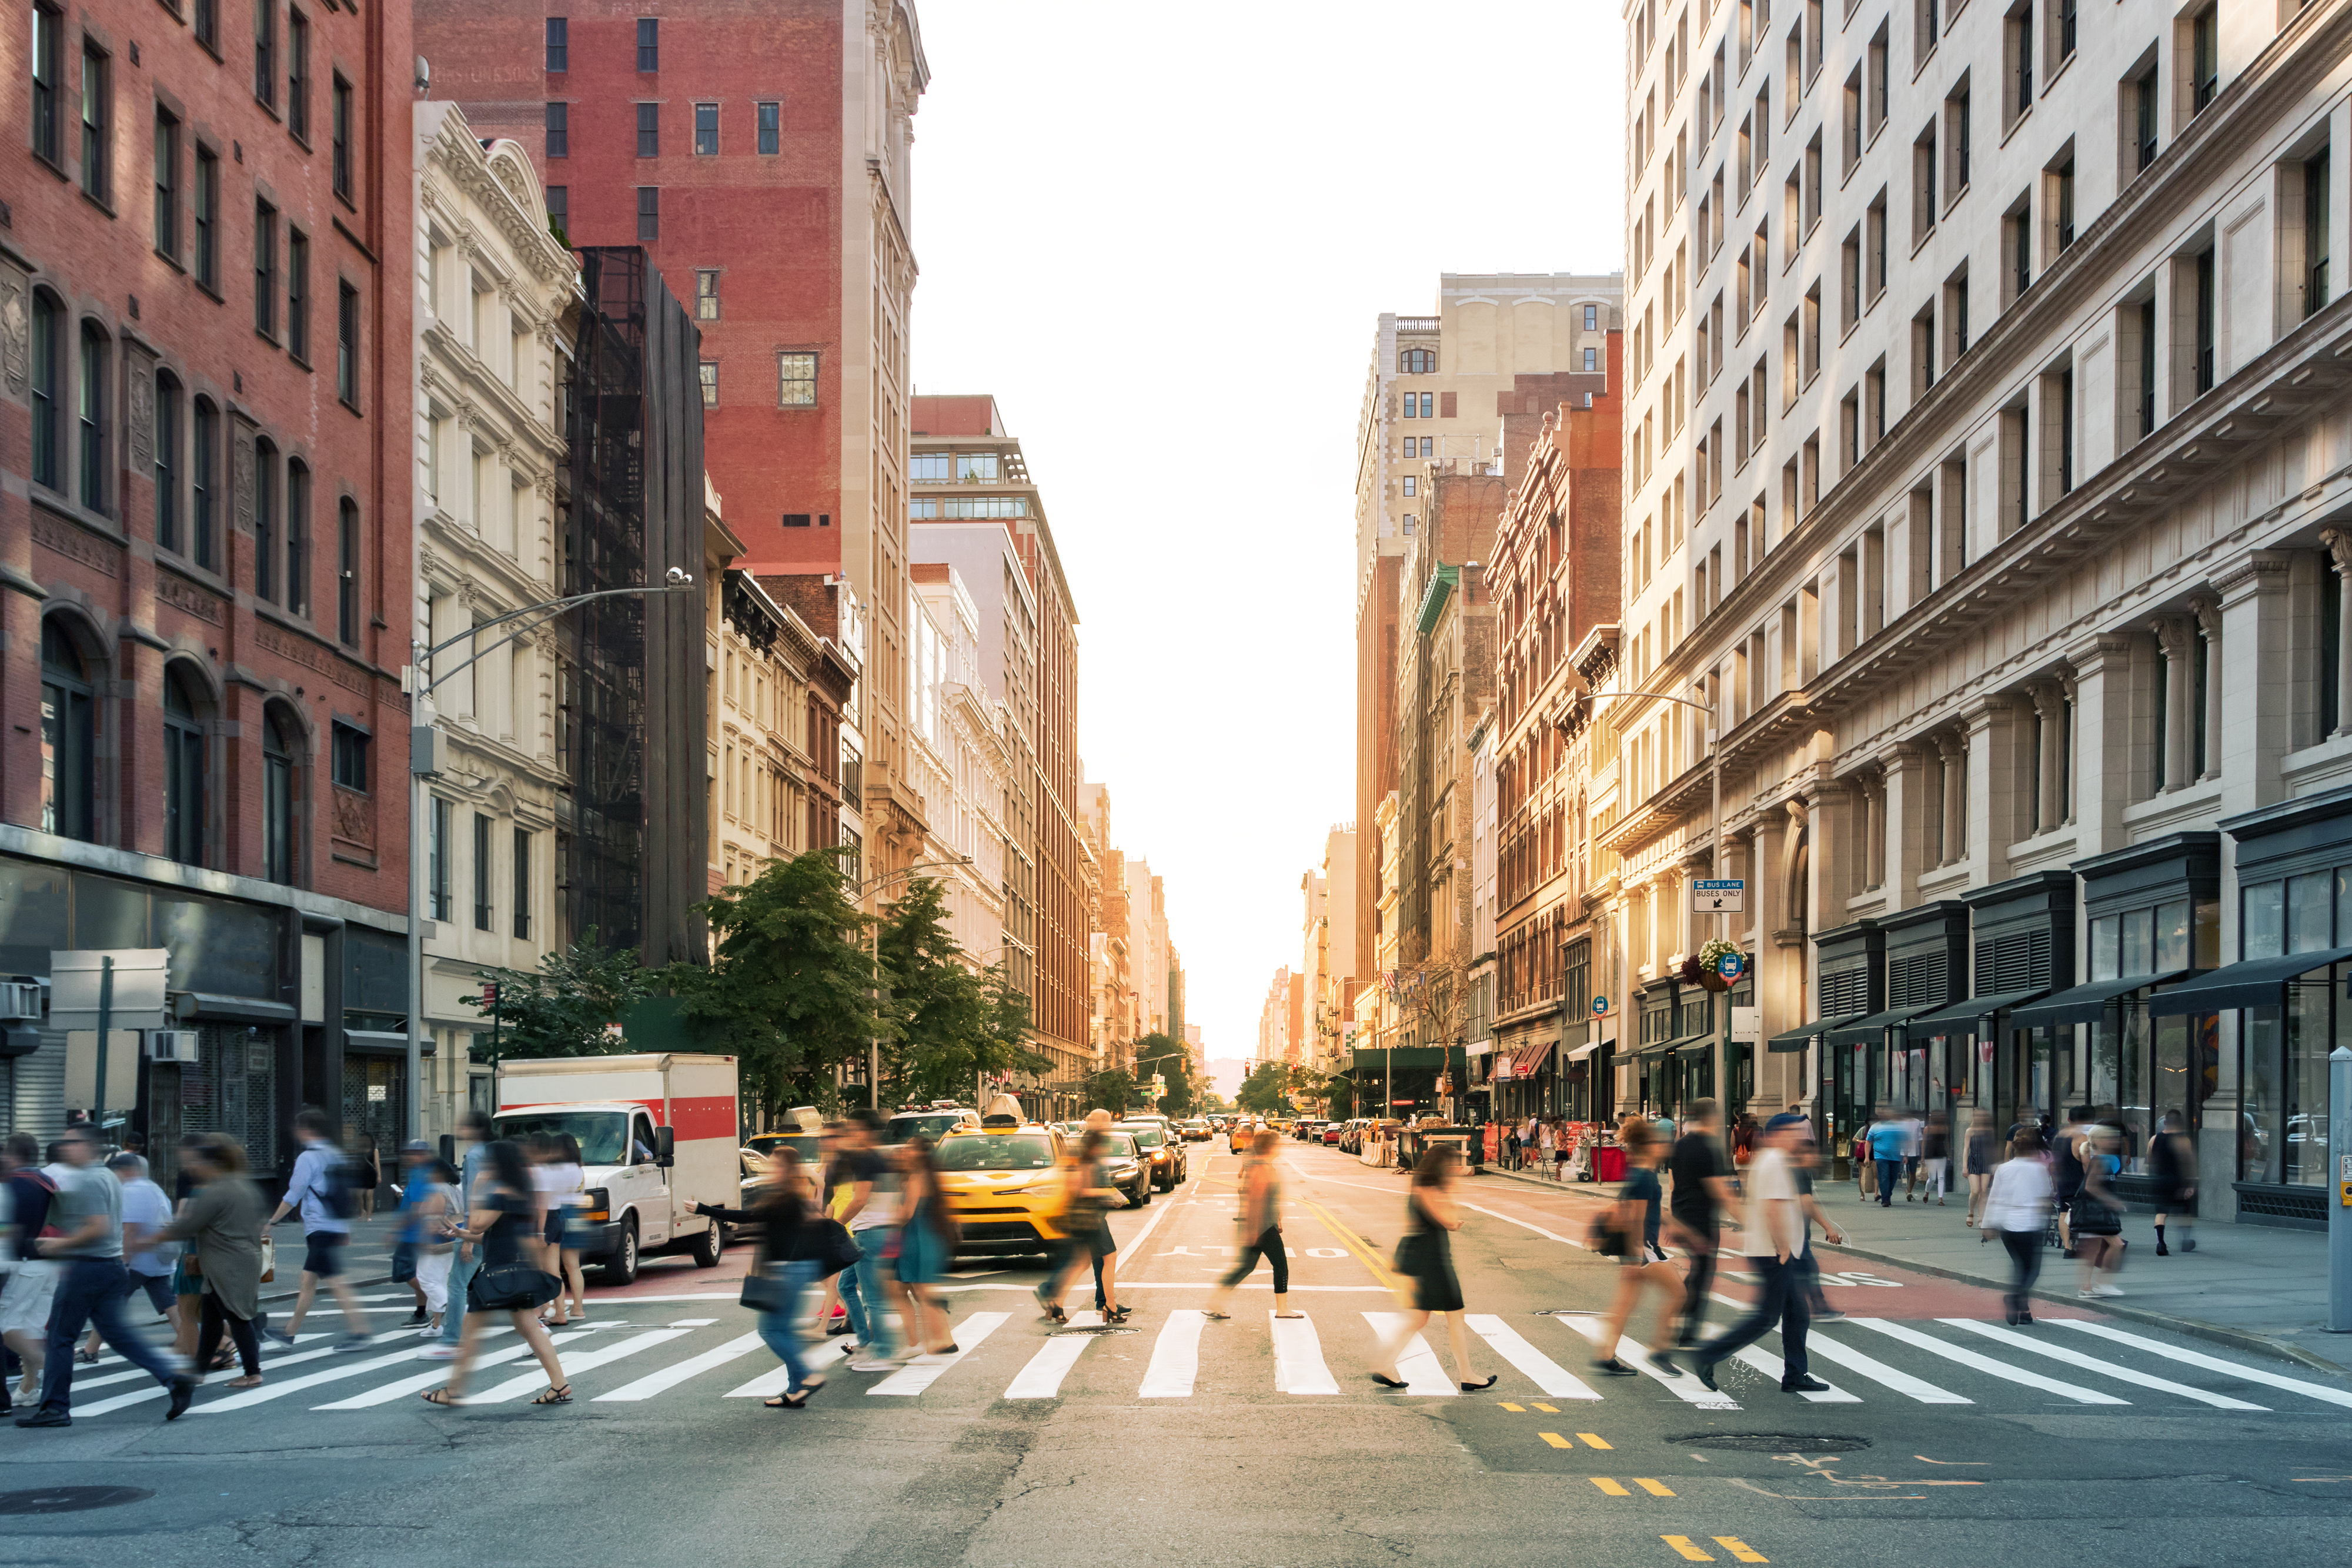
(1324, 1355)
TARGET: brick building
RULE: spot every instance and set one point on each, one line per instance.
(205, 477)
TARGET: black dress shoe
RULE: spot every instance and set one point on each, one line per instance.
(1803, 1383)
(45, 1418)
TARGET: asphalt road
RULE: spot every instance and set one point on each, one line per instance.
(2079, 1441)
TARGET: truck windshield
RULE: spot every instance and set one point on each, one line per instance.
(600, 1133)
(995, 1152)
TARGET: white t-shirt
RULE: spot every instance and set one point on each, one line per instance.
(1770, 1181)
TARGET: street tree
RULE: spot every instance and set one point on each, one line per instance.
(952, 1023)
(565, 1008)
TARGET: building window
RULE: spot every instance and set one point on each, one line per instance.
(437, 860)
(96, 124)
(265, 270)
(705, 294)
(705, 130)
(48, 81)
(297, 295)
(95, 409)
(1417, 362)
(183, 774)
(277, 802)
(796, 381)
(559, 131)
(349, 760)
(522, 883)
(167, 463)
(649, 130)
(206, 212)
(298, 538)
(342, 129)
(482, 869)
(558, 44)
(648, 213)
(347, 345)
(347, 573)
(297, 74)
(167, 185)
(649, 43)
(47, 384)
(709, 371)
(68, 792)
(771, 125)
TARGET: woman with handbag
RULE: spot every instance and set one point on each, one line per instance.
(1425, 1257)
(1086, 1200)
(222, 1222)
(1628, 1233)
(504, 1220)
(2095, 1217)
(927, 1244)
(788, 1261)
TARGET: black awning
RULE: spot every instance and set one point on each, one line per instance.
(2084, 1004)
(2256, 983)
(1869, 1027)
(1962, 1017)
(1797, 1038)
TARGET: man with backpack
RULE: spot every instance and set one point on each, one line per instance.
(322, 1189)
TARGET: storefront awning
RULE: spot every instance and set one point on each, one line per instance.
(1962, 1017)
(2084, 1004)
(1802, 1035)
(1869, 1027)
(2256, 983)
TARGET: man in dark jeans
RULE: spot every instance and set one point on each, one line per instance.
(1702, 1191)
(1774, 1240)
(86, 1215)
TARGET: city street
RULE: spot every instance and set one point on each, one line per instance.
(1178, 1440)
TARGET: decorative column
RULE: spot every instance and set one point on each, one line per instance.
(2339, 550)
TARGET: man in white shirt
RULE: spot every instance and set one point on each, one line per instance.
(1774, 1242)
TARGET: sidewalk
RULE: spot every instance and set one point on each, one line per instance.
(2251, 1286)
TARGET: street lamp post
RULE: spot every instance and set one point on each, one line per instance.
(424, 762)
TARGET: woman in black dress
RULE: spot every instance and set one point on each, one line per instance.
(1425, 1257)
(504, 1219)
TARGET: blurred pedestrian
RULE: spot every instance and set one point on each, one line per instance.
(2172, 1161)
(926, 1243)
(1773, 1237)
(147, 1263)
(2017, 1210)
(321, 1191)
(1979, 1158)
(1630, 1230)
(786, 1262)
(1425, 1259)
(221, 1225)
(84, 1236)
(872, 1216)
(1087, 1197)
(464, 1254)
(1260, 1223)
(31, 1280)
(503, 1212)
(1702, 1190)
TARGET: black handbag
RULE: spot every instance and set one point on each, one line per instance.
(511, 1288)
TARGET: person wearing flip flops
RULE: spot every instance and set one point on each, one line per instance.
(503, 1221)
(1261, 1225)
(1425, 1257)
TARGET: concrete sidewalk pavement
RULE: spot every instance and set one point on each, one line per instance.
(2252, 1286)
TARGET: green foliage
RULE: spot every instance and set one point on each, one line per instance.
(950, 1023)
(562, 1009)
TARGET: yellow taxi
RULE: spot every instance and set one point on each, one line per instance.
(1001, 1182)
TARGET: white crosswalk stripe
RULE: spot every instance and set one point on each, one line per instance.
(1773, 1367)
(2211, 1362)
(1175, 1357)
(1424, 1376)
(918, 1375)
(1870, 1367)
(1986, 1364)
(1546, 1374)
(2015, 1341)
(1298, 1358)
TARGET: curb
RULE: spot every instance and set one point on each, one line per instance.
(2195, 1328)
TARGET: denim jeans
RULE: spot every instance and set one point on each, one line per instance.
(862, 1295)
(90, 1290)
(1780, 1303)
(461, 1274)
(1889, 1172)
(781, 1328)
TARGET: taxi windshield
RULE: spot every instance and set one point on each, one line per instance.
(994, 1152)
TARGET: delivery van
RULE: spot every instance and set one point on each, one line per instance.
(657, 1131)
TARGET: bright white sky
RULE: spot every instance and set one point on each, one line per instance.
(1162, 235)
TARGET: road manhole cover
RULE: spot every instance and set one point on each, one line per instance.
(1775, 1442)
(70, 1499)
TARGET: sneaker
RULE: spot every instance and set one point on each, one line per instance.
(871, 1366)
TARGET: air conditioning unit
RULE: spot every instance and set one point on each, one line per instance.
(172, 1045)
(20, 999)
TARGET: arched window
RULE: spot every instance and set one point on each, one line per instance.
(69, 779)
(1417, 362)
(204, 487)
(96, 359)
(183, 773)
(167, 463)
(298, 537)
(49, 387)
(265, 521)
(277, 801)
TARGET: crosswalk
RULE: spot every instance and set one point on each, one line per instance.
(1181, 1355)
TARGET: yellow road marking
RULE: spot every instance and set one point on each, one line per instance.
(1740, 1549)
(1683, 1545)
(1611, 1488)
(1652, 1488)
(1592, 1439)
(1548, 1409)
(1555, 1439)
(1515, 1409)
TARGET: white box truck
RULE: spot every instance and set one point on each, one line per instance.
(656, 1130)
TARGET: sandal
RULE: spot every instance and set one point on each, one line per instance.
(555, 1394)
(442, 1396)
